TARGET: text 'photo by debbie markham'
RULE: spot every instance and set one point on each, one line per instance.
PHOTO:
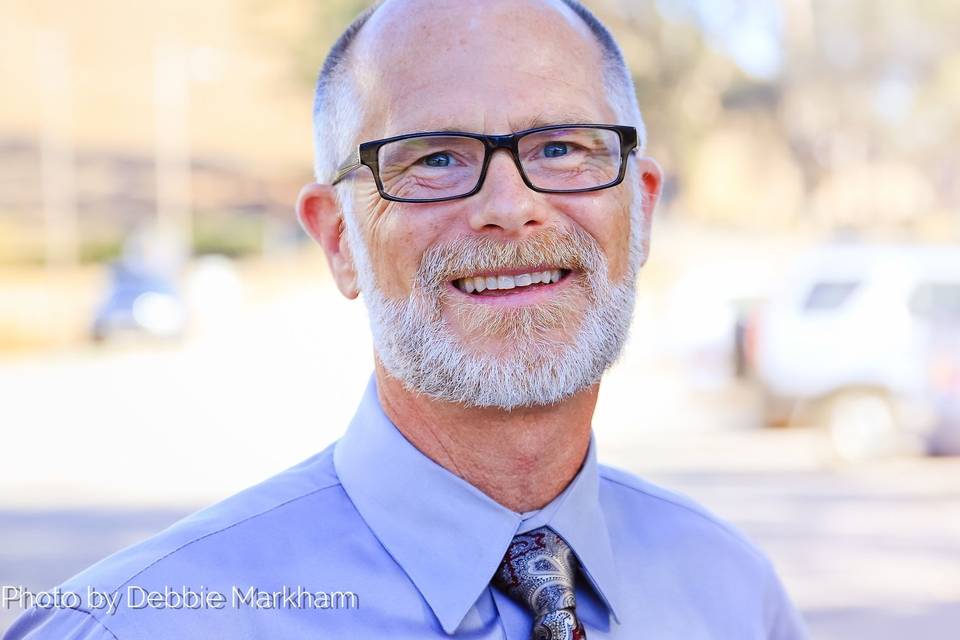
(306, 308)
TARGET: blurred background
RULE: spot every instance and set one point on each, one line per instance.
(168, 335)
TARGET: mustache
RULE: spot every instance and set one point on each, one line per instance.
(572, 249)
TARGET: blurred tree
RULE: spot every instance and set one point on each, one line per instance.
(870, 107)
(304, 29)
(796, 120)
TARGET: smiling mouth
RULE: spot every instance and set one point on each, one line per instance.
(506, 284)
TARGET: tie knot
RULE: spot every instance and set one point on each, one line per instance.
(538, 570)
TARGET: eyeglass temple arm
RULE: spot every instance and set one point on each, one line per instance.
(349, 165)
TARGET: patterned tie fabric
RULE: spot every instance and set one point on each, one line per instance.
(538, 570)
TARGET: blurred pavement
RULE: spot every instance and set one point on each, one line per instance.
(103, 446)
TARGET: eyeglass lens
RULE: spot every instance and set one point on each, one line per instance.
(567, 159)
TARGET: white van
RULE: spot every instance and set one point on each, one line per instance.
(865, 339)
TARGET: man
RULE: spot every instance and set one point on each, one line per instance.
(481, 181)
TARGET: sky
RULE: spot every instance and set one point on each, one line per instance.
(749, 31)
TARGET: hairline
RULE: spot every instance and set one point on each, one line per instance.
(337, 112)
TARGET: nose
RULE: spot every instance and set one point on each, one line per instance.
(505, 203)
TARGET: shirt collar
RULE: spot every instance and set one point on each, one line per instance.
(448, 536)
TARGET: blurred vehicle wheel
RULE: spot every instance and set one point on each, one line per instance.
(862, 425)
(945, 441)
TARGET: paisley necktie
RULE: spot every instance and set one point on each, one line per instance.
(538, 570)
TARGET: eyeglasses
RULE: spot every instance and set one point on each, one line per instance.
(446, 165)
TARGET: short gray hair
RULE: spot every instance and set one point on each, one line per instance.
(337, 112)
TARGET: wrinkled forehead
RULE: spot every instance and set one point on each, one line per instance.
(435, 64)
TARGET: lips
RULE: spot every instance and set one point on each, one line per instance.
(496, 282)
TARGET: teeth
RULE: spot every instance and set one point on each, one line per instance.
(493, 283)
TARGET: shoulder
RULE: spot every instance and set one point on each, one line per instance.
(230, 542)
(674, 545)
(660, 516)
(236, 521)
(243, 523)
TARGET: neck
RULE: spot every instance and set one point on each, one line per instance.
(522, 458)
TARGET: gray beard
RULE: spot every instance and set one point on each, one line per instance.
(539, 365)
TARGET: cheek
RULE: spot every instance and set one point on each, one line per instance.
(619, 254)
(397, 239)
(607, 220)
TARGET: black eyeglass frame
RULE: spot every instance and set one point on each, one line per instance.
(367, 154)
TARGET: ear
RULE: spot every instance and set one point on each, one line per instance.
(320, 216)
(651, 184)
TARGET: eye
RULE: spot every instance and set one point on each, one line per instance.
(555, 149)
(441, 159)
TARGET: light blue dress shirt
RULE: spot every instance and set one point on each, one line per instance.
(417, 546)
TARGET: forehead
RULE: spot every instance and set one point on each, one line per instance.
(483, 66)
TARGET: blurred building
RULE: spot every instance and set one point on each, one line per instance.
(125, 110)
(797, 116)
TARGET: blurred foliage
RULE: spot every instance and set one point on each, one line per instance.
(302, 30)
(843, 118)
(856, 130)
(233, 236)
(102, 250)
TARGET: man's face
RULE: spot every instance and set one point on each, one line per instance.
(490, 68)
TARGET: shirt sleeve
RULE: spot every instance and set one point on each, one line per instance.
(57, 624)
